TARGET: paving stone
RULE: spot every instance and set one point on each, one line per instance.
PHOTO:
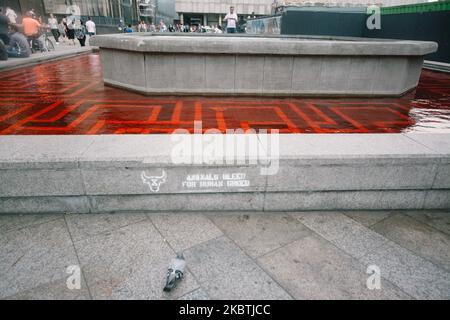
(10, 222)
(56, 290)
(419, 278)
(344, 232)
(198, 294)
(368, 218)
(312, 268)
(423, 240)
(33, 256)
(83, 226)
(436, 219)
(184, 230)
(129, 263)
(225, 272)
(258, 234)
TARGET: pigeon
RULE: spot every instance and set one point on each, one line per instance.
(175, 272)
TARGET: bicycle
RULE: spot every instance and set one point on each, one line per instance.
(41, 43)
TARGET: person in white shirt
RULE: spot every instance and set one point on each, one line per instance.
(53, 24)
(231, 18)
(90, 27)
(11, 15)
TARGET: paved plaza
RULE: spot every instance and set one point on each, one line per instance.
(308, 255)
(95, 202)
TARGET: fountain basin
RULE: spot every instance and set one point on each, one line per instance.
(250, 65)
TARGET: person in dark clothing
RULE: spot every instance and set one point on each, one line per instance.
(3, 53)
(4, 21)
(18, 44)
(80, 34)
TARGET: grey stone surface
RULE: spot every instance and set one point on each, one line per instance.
(184, 230)
(345, 233)
(220, 73)
(50, 204)
(260, 65)
(130, 73)
(368, 218)
(373, 175)
(438, 142)
(305, 75)
(355, 146)
(421, 239)
(344, 200)
(129, 263)
(118, 150)
(11, 222)
(40, 152)
(83, 226)
(180, 202)
(419, 278)
(439, 220)
(277, 75)
(198, 294)
(33, 256)
(442, 180)
(56, 290)
(389, 171)
(331, 79)
(386, 76)
(260, 234)
(26, 183)
(253, 44)
(437, 199)
(312, 268)
(252, 79)
(129, 180)
(164, 66)
(225, 272)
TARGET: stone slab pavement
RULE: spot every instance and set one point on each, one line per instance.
(304, 255)
(63, 50)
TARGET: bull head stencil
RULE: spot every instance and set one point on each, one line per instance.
(154, 182)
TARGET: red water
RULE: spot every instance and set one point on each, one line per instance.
(68, 97)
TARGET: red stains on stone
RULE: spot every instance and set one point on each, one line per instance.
(68, 97)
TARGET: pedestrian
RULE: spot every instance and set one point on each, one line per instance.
(152, 27)
(121, 26)
(70, 30)
(19, 46)
(62, 30)
(128, 29)
(90, 27)
(3, 52)
(4, 28)
(162, 26)
(11, 15)
(80, 33)
(142, 27)
(231, 18)
(53, 24)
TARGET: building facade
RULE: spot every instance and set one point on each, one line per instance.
(212, 12)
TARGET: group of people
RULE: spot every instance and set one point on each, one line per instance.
(162, 27)
(15, 38)
(231, 19)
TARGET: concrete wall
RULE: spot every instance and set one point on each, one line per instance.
(260, 66)
(83, 174)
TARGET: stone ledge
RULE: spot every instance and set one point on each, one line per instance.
(252, 44)
(317, 172)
